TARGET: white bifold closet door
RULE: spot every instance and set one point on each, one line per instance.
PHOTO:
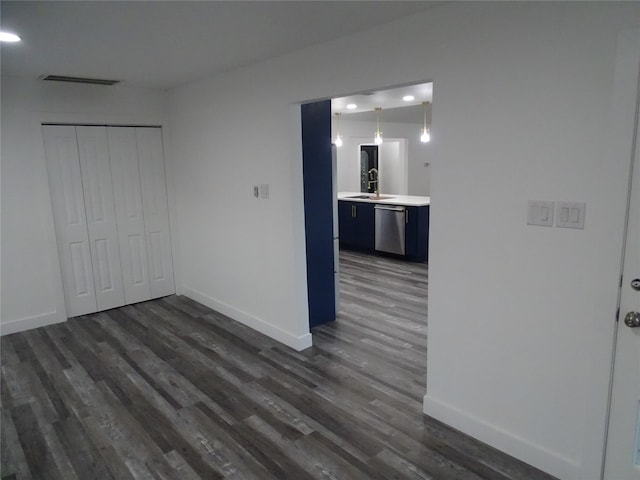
(156, 212)
(110, 209)
(67, 196)
(128, 201)
(93, 150)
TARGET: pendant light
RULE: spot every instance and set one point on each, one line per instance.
(426, 134)
(338, 141)
(377, 139)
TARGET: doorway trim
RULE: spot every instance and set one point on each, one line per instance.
(627, 84)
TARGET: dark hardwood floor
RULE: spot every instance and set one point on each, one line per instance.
(169, 389)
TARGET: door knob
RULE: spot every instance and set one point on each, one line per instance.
(632, 319)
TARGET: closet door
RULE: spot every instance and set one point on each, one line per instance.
(156, 213)
(101, 217)
(65, 182)
(130, 219)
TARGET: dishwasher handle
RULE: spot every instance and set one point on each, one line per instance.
(392, 208)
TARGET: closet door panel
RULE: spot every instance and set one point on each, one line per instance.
(65, 182)
(101, 218)
(129, 213)
(156, 213)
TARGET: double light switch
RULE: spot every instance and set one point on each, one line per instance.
(540, 213)
(566, 214)
(261, 191)
(570, 214)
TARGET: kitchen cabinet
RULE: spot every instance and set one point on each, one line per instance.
(346, 223)
(356, 220)
(417, 232)
(357, 228)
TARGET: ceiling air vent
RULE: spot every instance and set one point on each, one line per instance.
(91, 81)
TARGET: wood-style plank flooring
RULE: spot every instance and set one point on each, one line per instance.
(169, 389)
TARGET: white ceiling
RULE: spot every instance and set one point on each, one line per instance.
(387, 98)
(394, 108)
(163, 44)
(413, 114)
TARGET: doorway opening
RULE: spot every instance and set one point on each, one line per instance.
(368, 164)
(396, 167)
(381, 153)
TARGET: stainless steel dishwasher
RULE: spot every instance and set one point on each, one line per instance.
(390, 223)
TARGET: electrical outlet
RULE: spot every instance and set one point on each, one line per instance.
(264, 190)
(256, 191)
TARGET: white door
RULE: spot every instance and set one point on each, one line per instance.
(130, 219)
(623, 443)
(65, 182)
(101, 216)
(156, 211)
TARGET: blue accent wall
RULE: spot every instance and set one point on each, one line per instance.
(318, 210)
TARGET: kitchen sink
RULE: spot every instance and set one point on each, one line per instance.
(370, 197)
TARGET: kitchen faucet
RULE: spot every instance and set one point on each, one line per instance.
(376, 181)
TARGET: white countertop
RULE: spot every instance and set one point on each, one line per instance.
(407, 200)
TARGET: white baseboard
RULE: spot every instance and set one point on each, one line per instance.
(297, 343)
(520, 448)
(22, 324)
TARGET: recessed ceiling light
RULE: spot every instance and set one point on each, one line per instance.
(352, 106)
(408, 98)
(9, 37)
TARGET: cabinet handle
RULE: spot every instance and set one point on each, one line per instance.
(355, 211)
(406, 216)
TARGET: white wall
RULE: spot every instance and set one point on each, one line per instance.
(392, 167)
(520, 318)
(414, 176)
(237, 251)
(31, 283)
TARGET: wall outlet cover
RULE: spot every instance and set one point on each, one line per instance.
(570, 214)
(540, 213)
(264, 190)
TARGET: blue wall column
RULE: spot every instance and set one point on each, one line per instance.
(318, 214)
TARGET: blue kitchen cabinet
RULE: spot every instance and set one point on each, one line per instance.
(357, 228)
(357, 225)
(417, 233)
(365, 226)
(347, 223)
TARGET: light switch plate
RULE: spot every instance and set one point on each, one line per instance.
(540, 213)
(570, 214)
(264, 190)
